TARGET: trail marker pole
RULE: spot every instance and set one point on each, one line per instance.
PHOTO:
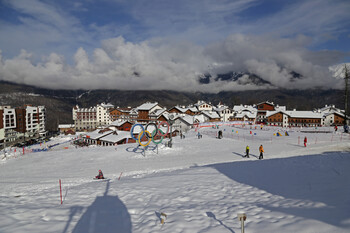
(242, 217)
(120, 175)
(60, 191)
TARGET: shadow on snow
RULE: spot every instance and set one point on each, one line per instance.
(319, 181)
(106, 214)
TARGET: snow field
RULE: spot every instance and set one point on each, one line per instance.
(200, 184)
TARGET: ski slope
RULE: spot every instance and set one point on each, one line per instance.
(200, 184)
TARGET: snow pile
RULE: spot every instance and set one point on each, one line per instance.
(200, 184)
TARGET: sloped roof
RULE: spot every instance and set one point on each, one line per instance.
(246, 114)
(212, 115)
(116, 137)
(241, 108)
(187, 119)
(147, 106)
(158, 112)
(266, 102)
(119, 122)
(200, 102)
(334, 112)
(64, 126)
(329, 108)
(181, 109)
(108, 105)
(270, 113)
(280, 108)
(304, 114)
(96, 135)
(221, 108)
(200, 118)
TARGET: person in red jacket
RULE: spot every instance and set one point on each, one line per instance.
(305, 141)
(100, 175)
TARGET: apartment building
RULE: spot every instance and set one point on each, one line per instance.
(20, 123)
(87, 119)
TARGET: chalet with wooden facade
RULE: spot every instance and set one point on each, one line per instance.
(120, 114)
(122, 125)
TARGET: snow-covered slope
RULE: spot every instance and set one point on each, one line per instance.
(338, 70)
(200, 184)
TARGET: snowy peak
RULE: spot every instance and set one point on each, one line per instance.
(241, 78)
(338, 71)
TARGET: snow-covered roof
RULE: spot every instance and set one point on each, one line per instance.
(329, 108)
(280, 108)
(158, 112)
(108, 105)
(266, 102)
(201, 102)
(304, 114)
(147, 106)
(118, 123)
(270, 113)
(333, 112)
(187, 119)
(96, 135)
(181, 109)
(116, 137)
(193, 109)
(199, 118)
(246, 114)
(65, 126)
(220, 108)
(211, 115)
(241, 108)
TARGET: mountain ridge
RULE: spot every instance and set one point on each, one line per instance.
(59, 103)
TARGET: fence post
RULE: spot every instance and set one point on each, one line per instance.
(60, 191)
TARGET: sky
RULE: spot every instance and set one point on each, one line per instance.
(168, 45)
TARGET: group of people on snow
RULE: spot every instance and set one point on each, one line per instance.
(261, 150)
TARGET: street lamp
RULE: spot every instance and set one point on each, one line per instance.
(171, 122)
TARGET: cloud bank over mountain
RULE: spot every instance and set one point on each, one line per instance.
(160, 65)
(167, 45)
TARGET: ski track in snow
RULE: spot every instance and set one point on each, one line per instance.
(200, 184)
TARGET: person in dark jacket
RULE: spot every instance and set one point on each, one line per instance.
(100, 175)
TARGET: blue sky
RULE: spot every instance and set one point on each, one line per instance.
(70, 33)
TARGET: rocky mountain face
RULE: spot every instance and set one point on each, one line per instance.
(59, 103)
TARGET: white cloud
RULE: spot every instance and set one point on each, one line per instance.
(159, 65)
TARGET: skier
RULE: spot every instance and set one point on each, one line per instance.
(246, 152)
(336, 128)
(305, 141)
(100, 175)
(261, 150)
